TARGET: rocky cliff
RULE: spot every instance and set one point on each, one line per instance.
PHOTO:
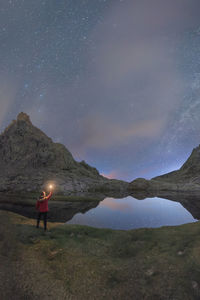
(187, 178)
(29, 160)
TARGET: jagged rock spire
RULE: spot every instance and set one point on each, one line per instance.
(23, 117)
(29, 159)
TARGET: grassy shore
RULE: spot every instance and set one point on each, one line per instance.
(80, 262)
(30, 199)
(56, 197)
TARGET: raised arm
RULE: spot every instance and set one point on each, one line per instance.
(49, 196)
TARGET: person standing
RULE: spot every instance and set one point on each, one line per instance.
(42, 207)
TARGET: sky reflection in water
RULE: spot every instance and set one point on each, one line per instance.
(129, 213)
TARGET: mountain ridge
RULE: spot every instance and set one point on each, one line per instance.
(186, 178)
(29, 160)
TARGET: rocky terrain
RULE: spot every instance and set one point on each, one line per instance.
(186, 179)
(30, 160)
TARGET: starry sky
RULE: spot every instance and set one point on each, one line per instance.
(116, 81)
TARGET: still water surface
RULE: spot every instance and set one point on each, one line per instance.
(129, 213)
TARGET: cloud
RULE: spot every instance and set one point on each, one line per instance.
(8, 90)
(133, 86)
(115, 174)
(100, 133)
(115, 205)
(111, 175)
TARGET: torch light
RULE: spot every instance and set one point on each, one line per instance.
(50, 186)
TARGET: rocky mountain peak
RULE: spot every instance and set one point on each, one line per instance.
(29, 158)
(187, 178)
(23, 117)
(189, 172)
(24, 146)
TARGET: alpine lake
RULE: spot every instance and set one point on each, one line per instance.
(114, 211)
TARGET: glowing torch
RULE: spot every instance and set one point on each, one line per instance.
(51, 187)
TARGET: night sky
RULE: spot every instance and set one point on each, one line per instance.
(116, 81)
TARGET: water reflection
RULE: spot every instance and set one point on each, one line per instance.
(59, 211)
(134, 211)
(129, 213)
(190, 201)
(116, 205)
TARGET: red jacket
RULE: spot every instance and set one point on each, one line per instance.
(42, 206)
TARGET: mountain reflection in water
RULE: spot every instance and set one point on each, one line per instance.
(130, 212)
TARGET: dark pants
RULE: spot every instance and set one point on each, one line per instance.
(44, 214)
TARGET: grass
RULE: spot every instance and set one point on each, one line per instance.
(81, 262)
(30, 198)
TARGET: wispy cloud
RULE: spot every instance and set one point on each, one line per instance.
(8, 90)
(117, 173)
(101, 133)
(115, 205)
(133, 85)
